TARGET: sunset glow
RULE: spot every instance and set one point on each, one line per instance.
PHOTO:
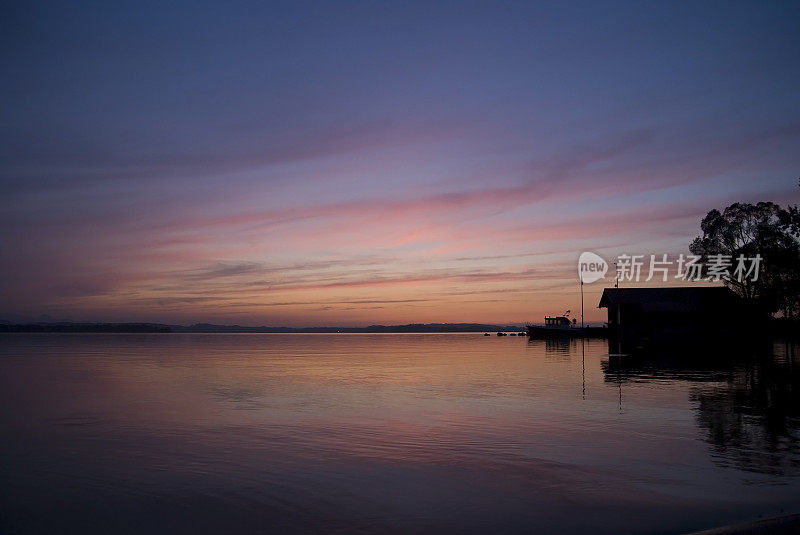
(342, 165)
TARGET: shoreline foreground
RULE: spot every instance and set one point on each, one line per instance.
(787, 524)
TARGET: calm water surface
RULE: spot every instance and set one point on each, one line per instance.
(393, 433)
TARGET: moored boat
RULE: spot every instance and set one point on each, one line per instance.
(544, 331)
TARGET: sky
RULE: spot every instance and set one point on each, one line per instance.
(353, 163)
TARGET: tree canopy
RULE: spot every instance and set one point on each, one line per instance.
(763, 229)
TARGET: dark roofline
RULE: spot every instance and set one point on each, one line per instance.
(677, 295)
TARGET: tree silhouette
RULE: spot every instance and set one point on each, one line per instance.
(763, 229)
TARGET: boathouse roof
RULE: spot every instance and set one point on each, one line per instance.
(677, 299)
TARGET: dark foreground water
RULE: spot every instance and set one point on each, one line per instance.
(389, 433)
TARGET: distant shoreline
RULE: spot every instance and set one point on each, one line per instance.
(777, 327)
(86, 327)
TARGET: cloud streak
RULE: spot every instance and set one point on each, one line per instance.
(347, 173)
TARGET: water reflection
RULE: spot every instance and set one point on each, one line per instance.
(747, 403)
(385, 433)
(560, 347)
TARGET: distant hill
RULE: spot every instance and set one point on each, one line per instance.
(408, 328)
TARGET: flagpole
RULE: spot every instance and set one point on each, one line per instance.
(581, 300)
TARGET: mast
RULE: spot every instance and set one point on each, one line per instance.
(581, 301)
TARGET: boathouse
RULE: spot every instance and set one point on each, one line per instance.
(658, 317)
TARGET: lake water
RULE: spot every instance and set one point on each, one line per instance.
(220, 433)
